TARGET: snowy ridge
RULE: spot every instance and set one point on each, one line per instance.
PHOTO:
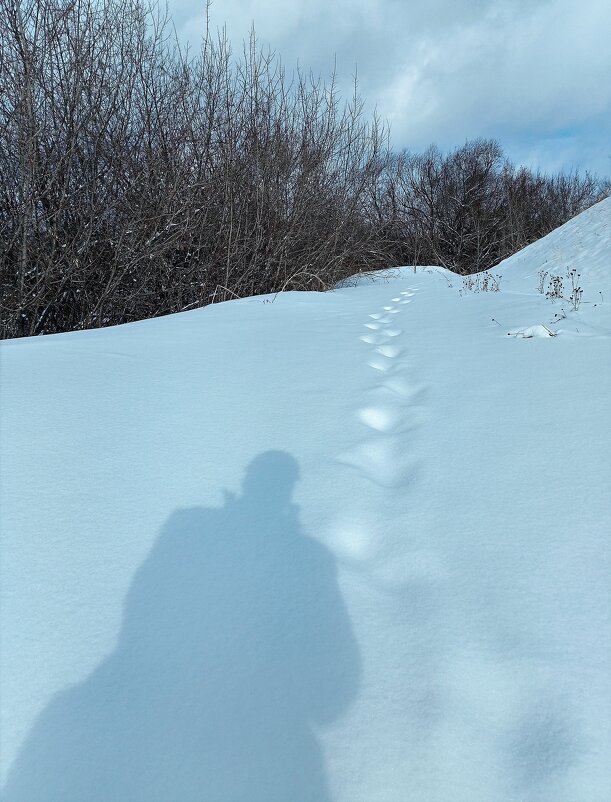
(582, 241)
(334, 547)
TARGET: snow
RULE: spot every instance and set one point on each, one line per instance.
(334, 547)
(533, 331)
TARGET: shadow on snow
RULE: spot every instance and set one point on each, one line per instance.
(235, 642)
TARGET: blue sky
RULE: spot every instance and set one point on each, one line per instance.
(534, 74)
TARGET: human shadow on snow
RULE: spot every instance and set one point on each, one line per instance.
(235, 642)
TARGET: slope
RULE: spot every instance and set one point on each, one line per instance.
(346, 547)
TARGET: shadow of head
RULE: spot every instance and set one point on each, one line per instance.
(270, 478)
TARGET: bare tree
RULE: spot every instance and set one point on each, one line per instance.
(471, 208)
(138, 178)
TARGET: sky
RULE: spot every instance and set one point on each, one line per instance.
(536, 76)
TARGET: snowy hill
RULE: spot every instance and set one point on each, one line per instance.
(341, 547)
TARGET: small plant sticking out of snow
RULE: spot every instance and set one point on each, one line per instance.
(468, 284)
(559, 316)
(543, 274)
(490, 283)
(576, 290)
(481, 282)
(555, 288)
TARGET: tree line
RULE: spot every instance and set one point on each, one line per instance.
(138, 179)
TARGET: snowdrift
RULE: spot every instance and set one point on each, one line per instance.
(325, 547)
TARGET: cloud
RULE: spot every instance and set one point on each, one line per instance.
(447, 70)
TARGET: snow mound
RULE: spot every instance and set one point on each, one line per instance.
(533, 331)
(582, 244)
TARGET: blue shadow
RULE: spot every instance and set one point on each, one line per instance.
(235, 642)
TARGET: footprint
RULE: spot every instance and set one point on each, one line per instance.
(388, 416)
(391, 351)
(395, 394)
(372, 326)
(380, 337)
(381, 460)
(396, 299)
(405, 301)
(373, 339)
(381, 363)
(376, 316)
(400, 386)
(380, 418)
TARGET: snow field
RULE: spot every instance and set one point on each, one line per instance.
(350, 546)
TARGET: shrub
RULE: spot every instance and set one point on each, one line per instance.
(137, 180)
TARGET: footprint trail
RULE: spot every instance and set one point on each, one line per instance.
(391, 406)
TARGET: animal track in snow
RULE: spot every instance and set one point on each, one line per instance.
(382, 460)
(380, 418)
(379, 335)
(373, 339)
(390, 414)
(391, 351)
(380, 362)
(389, 407)
(399, 385)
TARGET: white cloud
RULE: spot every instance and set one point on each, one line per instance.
(446, 70)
